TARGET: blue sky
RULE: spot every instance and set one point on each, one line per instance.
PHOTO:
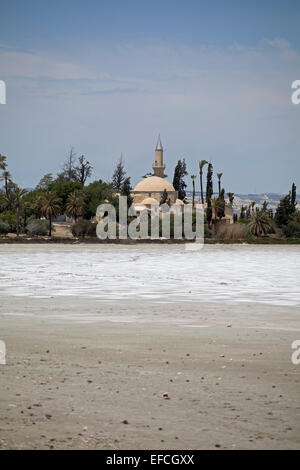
(214, 78)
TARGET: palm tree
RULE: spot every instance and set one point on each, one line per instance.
(193, 180)
(259, 224)
(27, 207)
(75, 204)
(6, 176)
(9, 198)
(219, 175)
(49, 205)
(231, 198)
(3, 163)
(202, 164)
(3, 202)
(218, 205)
(3, 166)
(18, 195)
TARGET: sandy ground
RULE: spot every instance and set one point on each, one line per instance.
(94, 375)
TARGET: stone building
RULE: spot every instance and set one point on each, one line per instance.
(150, 190)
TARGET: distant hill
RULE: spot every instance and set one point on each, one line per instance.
(246, 199)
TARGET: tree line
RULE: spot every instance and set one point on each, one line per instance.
(256, 221)
(69, 193)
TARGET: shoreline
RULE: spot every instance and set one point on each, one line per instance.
(94, 240)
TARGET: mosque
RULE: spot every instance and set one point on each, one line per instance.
(150, 190)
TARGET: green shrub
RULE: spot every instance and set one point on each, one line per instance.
(83, 228)
(291, 230)
(10, 218)
(37, 227)
(4, 227)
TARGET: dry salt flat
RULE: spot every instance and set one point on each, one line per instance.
(149, 346)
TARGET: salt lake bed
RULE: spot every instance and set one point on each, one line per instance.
(96, 334)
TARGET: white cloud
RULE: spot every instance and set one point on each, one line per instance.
(279, 43)
(15, 63)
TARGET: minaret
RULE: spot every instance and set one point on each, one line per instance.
(159, 166)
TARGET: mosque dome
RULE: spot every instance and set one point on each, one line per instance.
(154, 184)
(148, 201)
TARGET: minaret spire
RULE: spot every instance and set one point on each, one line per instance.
(159, 144)
(159, 167)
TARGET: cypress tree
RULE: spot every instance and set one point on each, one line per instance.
(220, 205)
(126, 187)
(178, 181)
(293, 197)
(286, 208)
(209, 183)
(119, 175)
(209, 192)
